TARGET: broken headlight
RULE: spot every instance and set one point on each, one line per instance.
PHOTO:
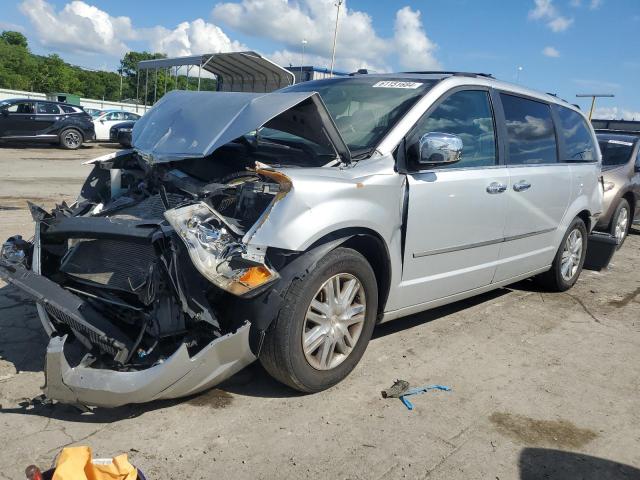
(215, 252)
(16, 251)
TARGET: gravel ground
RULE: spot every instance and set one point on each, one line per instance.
(544, 385)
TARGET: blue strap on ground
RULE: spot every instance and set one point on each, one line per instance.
(418, 391)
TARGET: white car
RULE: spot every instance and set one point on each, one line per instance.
(108, 119)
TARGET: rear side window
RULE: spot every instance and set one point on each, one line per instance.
(48, 108)
(530, 132)
(468, 115)
(578, 142)
(132, 116)
(68, 109)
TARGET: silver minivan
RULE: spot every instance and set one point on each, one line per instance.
(285, 226)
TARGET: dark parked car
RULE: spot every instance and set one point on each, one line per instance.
(621, 174)
(43, 121)
(121, 133)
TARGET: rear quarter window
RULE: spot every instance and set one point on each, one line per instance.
(531, 137)
(578, 142)
(69, 109)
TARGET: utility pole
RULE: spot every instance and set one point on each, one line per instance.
(304, 42)
(120, 73)
(593, 97)
(335, 36)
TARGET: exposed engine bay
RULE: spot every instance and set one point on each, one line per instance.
(153, 250)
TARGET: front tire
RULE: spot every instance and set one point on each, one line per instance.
(620, 222)
(324, 325)
(71, 139)
(569, 259)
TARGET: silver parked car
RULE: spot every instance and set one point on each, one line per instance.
(621, 174)
(284, 226)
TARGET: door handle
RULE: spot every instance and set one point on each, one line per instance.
(521, 186)
(495, 187)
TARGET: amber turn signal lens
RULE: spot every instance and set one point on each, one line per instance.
(255, 276)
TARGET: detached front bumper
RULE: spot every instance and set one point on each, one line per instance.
(176, 376)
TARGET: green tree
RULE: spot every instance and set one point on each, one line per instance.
(22, 70)
(14, 38)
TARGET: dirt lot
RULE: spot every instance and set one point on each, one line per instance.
(544, 385)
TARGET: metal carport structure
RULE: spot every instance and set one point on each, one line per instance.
(234, 71)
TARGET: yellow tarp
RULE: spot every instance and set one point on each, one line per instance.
(75, 463)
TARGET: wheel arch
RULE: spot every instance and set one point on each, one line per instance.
(586, 218)
(373, 248)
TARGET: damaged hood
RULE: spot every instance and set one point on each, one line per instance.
(187, 124)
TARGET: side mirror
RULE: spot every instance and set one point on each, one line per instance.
(436, 148)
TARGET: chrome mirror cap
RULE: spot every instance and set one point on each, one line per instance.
(438, 148)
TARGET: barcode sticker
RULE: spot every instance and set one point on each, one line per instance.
(396, 84)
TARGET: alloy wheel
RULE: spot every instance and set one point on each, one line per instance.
(622, 224)
(334, 321)
(72, 139)
(571, 255)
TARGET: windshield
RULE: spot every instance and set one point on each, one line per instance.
(366, 108)
(615, 152)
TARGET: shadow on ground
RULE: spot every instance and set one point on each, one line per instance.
(412, 321)
(23, 341)
(542, 463)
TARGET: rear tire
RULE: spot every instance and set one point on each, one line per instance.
(569, 259)
(620, 222)
(71, 139)
(289, 353)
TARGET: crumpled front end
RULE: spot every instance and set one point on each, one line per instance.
(151, 281)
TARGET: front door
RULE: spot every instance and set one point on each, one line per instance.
(456, 212)
(20, 120)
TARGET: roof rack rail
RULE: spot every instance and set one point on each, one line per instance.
(449, 72)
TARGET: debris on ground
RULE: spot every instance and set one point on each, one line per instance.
(401, 389)
(395, 390)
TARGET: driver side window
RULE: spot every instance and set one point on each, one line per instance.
(466, 114)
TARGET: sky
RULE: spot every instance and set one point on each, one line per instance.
(563, 47)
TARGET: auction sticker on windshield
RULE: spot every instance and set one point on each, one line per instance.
(396, 84)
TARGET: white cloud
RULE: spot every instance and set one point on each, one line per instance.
(546, 11)
(414, 48)
(191, 38)
(358, 44)
(615, 113)
(550, 52)
(78, 27)
(593, 4)
(11, 26)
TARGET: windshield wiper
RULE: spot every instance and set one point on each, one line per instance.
(361, 153)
